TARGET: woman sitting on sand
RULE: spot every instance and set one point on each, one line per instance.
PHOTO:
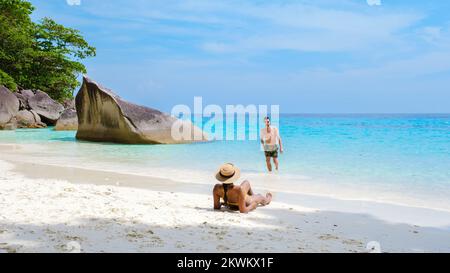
(236, 197)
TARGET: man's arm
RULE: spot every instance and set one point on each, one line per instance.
(216, 195)
(279, 141)
(261, 136)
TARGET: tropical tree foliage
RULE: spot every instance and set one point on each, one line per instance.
(39, 55)
(7, 81)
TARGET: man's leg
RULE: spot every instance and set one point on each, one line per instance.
(275, 161)
(269, 165)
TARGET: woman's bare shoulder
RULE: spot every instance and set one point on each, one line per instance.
(217, 187)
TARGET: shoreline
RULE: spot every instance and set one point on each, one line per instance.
(385, 210)
(396, 213)
(255, 179)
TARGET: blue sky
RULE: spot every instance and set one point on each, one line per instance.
(341, 56)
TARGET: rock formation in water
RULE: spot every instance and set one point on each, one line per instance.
(104, 116)
(68, 121)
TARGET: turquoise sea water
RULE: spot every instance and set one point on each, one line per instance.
(387, 158)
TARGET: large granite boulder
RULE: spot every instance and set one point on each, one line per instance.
(10, 126)
(23, 102)
(104, 116)
(27, 93)
(24, 96)
(47, 108)
(25, 119)
(29, 119)
(68, 121)
(9, 107)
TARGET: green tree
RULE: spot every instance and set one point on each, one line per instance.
(43, 55)
(7, 81)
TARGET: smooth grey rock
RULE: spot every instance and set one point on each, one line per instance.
(37, 118)
(68, 121)
(27, 93)
(9, 106)
(46, 107)
(104, 116)
(11, 125)
(29, 119)
(24, 96)
(25, 119)
(22, 100)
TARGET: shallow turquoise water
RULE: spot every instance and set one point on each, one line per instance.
(397, 158)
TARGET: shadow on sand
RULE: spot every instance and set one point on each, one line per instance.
(279, 230)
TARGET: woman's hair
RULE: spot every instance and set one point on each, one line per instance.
(225, 189)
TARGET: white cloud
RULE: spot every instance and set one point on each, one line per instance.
(216, 47)
(431, 34)
(310, 28)
(400, 72)
(73, 2)
(231, 26)
(374, 2)
(437, 37)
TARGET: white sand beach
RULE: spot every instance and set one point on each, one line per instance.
(58, 209)
(115, 117)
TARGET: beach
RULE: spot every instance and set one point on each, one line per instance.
(64, 209)
(116, 117)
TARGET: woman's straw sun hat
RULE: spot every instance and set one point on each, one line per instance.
(228, 173)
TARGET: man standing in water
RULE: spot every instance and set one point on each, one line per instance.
(270, 139)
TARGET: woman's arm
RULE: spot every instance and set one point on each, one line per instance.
(243, 208)
(246, 187)
(216, 195)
